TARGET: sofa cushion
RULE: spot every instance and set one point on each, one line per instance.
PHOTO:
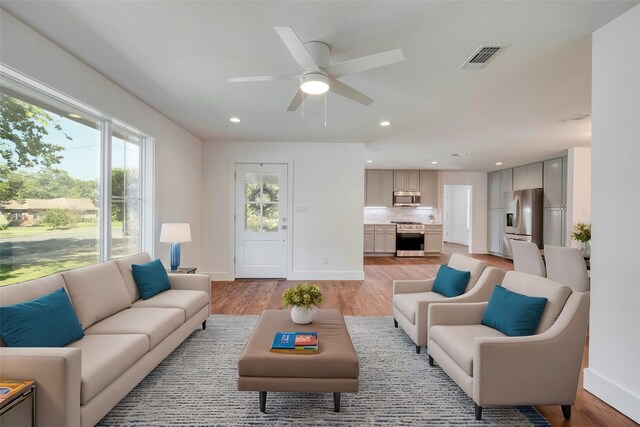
(189, 301)
(47, 321)
(96, 292)
(536, 286)
(465, 263)
(450, 282)
(457, 341)
(512, 313)
(407, 304)
(124, 264)
(156, 323)
(30, 290)
(151, 278)
(105, 358)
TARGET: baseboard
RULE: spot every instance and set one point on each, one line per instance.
(479, 251)
(326, 275)
(622, 399)
(219, 276)
(457, 242)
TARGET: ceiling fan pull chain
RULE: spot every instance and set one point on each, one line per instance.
(325, 109)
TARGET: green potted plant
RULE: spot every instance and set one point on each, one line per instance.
(582, 234)
(303, 300)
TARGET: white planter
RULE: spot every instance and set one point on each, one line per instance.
(301, 315)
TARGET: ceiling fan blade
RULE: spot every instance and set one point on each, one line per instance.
(365, 63)
(297, 49)
(342, 89)
(262, 78)
(296, 100)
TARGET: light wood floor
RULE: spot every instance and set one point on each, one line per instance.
(372, 297)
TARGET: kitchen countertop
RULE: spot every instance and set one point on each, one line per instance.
(388, 223)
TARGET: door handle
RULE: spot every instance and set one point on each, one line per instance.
(284, 227)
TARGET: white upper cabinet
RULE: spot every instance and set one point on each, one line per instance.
(429, 189)
(495, 190)
(507, 180)
(528, 176)
(406, 180)
(554, 183)
(379, 188)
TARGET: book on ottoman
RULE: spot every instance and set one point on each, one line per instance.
(295, 342)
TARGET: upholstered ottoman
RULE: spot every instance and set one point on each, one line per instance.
(334, 369)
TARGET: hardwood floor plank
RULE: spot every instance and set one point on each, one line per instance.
(372, 297)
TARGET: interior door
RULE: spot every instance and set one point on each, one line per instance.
(261, 221)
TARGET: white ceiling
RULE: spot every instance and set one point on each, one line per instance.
(177, 55)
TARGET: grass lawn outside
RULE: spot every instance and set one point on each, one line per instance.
(33, 230)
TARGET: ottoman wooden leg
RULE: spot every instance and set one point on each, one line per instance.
(263, 401)
(336, 402)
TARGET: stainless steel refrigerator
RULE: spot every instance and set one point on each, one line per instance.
(524, 212)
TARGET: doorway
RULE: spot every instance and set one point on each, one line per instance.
(261, 220)
(457, 218)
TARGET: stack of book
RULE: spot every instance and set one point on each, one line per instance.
(295, 342)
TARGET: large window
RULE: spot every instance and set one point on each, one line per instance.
(71, 185)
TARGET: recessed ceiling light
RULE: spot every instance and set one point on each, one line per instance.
(74, 115)
(369, 161)
(498, 163)
(234, 120)
(434, 163)
(385, 123)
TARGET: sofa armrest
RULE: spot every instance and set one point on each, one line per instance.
(56, 372)
(456, 314)
(538, 369)
(192, 282)
(412, 286)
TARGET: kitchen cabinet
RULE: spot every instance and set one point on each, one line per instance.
(527, 176)
(432, 239)
(406, 180)
(379, 188)
(385, 239)
(506, 180)
(368, 238)
(555, 202)
(495, 190)
(496, 231)
(429, 189)
(380, 238)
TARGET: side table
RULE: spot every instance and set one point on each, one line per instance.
(184, 270)
(17, 403)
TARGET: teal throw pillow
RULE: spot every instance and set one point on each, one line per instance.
(450, 282)
(151, 278)
(512, 313)
(48, 321)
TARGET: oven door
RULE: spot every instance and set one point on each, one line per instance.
(410, 243)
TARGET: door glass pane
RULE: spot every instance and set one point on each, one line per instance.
(49, 177)
(270, 187)
(270, 218)
(252, 217)
(252, 187)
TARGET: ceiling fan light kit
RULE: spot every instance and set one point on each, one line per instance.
(314, 83)
(318, 75)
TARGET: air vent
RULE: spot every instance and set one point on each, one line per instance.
(482, 56)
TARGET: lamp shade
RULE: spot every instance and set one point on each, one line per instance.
(175, 232)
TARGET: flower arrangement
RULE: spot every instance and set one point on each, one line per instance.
(581, 232)
(304, 295)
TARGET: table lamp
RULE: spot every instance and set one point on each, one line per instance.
(175, 233)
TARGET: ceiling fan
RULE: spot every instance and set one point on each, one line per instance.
(317, 75)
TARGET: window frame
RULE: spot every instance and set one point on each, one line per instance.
(107, 124)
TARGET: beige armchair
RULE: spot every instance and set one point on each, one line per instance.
(411, 298)
(498, 370)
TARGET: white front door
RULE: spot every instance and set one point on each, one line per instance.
(261, 220)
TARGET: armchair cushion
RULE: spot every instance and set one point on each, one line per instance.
(450, 282)
(151, 278)
(48, 321)
(457, 341)
(512, 313)
(408, 304)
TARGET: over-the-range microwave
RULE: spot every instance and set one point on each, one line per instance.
(406, 198)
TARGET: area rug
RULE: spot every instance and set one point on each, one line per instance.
(196, 386)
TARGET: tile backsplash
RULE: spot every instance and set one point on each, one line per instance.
(385, 215)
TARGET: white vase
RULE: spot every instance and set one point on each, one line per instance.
(302, 315)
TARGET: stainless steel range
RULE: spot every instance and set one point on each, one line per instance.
(409, 239)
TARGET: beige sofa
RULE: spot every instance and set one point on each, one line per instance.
(125, 338)
(411, 298)
(495, 369)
